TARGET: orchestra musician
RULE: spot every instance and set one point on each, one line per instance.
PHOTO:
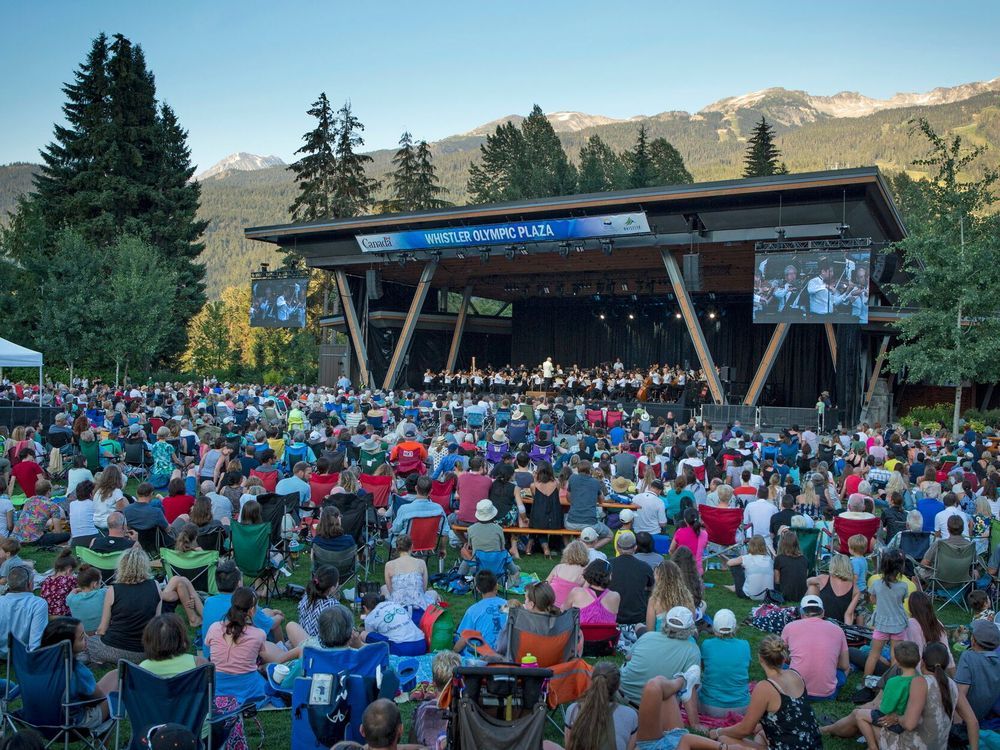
(788, 290)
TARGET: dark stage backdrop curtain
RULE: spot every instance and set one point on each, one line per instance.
(570, 332)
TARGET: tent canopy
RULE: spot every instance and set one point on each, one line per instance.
(13, 355)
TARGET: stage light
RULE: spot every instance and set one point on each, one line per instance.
(631, 316)
(460, 255)
(508, 252)
(563, 249)
(711, 315)
(521, 249)
(579, 248)
(607, 246)
(601, 316)
(576, 289)
(484, 255)
(678, 315)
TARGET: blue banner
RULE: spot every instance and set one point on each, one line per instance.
(509, 233)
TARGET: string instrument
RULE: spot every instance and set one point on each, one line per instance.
(643, 393)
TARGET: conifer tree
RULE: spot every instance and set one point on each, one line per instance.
(548, 171)
(428, 187)
(498, 175)
(601, 169)
(353, 190)
(315, 171)
(762, 155)
(402, 189)
(668, 165)
(640, 162)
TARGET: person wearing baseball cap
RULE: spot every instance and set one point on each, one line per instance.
(818, 650)
(670, 651)
(627, 518)
(592, 539)
(725, 680)
(632, 579)
(978, 674)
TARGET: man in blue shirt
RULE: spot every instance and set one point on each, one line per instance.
(449, 462)
(487, 617)
(421, 507)
(297, 482)
(21, 612)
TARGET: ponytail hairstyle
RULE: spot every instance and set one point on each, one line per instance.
(66, 562)
(693, 521)
(238, 617)
(324, 578)
(936, 663)
(594, 727)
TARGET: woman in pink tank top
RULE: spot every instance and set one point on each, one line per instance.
(597, 605)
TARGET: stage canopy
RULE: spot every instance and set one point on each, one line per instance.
(14, 355)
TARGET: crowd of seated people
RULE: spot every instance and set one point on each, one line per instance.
(849, 528)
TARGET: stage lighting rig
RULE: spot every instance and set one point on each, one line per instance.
(508, 252)
(484, 255)
(563, 249)
(607, 246)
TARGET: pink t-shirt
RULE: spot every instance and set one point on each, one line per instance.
(915, 634)
(471, 489)
(234, 658)
(685, 537)
(816, 646)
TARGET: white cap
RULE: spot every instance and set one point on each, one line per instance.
(811, 601)
(627, 515)
(724, 622)
(680, 618)
(589, 535)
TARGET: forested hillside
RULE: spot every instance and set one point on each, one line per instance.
(712, 144)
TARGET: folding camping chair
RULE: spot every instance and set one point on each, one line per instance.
(426, 535)
(541, 453)
(320, 490)
(914, 545)
(600, 640)
(137, 458)
(293, 456)
(845, 528)
(148, 701)
(809, 543)
(345, 561)
(595, 417)
(106, 562)
(379, 487)
(43, 677)
(371, 460)
(355, 671)
(214, 541)
(152, 541)
(91, 450)
(551, 640)
(952, 575)
(268, 478)
(502, 417)
(495, 452)
(252, 554)
(198, 567)
(723, 527)
(475, 419)
(500, 706)
(443, 492)
(613, 418)
(498, 563)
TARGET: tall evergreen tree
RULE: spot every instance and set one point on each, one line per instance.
(762, 155)
(499, 174)
(639, 162)
(548, 170)
(428, 189)
(353, 189)
(315, 171)
(601, 169)
(668, 165)
(403, 179)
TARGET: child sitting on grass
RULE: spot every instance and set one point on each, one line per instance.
(895, 694)
(430, 722)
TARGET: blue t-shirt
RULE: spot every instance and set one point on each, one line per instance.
(616, 435)
(488, 617)
(82, 683)
(929, 508)
(725, 679)
(860, 566)
(215, 610)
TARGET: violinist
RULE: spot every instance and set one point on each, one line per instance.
(823, 293)
(788, 289)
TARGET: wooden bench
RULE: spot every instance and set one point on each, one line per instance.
(607, 505)
(520, 531)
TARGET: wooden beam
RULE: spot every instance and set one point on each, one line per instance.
(693, 326)
(831, 342)
(456, 338)
(409, 325)
(877, 370)
(353, 327)
(766, 363)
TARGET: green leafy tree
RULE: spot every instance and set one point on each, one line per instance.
(211, 349)
(71, 321)
(137, 296)
(639, 162)
(353, 190)
(762, 155)
(601, 169)
(953, 286)
(315, 171)
(499, 174)
(668, 165)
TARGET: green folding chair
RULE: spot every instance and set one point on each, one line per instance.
(198, 567)
(371, 460)
(809, 544)
(106, 562)
(952, 576)
(252, 554)
(91, 450)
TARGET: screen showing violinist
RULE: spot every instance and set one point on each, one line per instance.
(811, 287)
(278, 302)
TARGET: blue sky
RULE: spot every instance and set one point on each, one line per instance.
(242, 74)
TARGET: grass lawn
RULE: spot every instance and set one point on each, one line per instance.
(277, 724)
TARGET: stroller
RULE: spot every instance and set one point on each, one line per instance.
(498, 706)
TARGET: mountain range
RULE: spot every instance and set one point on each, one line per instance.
(847, 129)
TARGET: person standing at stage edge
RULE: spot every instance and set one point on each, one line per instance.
(548, 371)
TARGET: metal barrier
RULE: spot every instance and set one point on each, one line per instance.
(717, 414)
(782, 417)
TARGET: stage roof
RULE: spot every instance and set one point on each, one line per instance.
(719, 221)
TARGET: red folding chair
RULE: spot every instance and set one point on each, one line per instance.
(845, 528)
(269, 478)
(443, 492)
(426, 535)
(723, 526)
(614, 418)
(320, 489)
(600, 640)
(656, 468)
(155, 423)
(380, 487)
(595, 417)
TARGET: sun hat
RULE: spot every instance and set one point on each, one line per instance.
(371, 444)
(133, 429)
(499, 436)
(724, 622)
(620, 484)
(485, 511)
(589, 535)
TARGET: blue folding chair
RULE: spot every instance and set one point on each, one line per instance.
(357, 671)
(475, 419)
(503, 417)
(294, 455)
(43, 677)
(148, 700)
(495, 562)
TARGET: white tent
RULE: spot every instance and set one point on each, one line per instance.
(13, 355)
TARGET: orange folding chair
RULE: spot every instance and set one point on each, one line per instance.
(426, 535)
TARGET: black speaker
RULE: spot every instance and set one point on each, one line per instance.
(692, 272)
(883, 267)
(373, 283)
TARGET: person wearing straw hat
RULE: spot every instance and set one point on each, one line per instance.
(485, 535)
